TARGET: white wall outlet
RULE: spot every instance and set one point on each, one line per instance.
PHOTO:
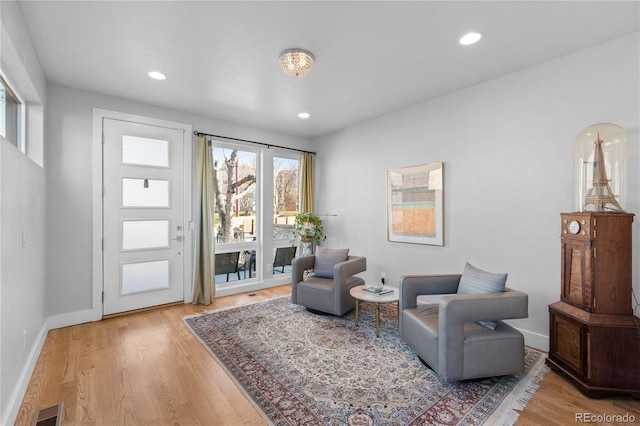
(269, 266)
(25, 239)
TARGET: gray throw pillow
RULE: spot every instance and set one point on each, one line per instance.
(475, 281)
(326, 259)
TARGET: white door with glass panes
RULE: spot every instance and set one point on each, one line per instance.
(143, 208)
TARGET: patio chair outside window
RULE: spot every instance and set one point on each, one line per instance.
(227, 263)
(284, 256)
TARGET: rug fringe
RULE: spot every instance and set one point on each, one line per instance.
(519, 398)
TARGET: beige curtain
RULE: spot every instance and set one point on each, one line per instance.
(204, 286)
(306, 193)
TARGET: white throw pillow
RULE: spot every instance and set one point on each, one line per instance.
(477, 281)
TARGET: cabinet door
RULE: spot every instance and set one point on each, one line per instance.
(577, 273)
(569, 343)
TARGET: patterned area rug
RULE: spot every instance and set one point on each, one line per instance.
(301, 368)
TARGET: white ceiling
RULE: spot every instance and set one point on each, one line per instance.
(372, 57)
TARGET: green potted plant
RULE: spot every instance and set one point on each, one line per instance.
(309, 228)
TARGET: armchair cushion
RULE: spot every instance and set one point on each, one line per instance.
(430, 299)
(477, 281)
(326, 259)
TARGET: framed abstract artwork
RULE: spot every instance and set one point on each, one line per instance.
(415, 204)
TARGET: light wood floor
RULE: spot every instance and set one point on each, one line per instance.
(147, 368)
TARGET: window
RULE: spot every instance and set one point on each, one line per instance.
(250, 229)
(11, 111)
(237, 211)
(286, 180)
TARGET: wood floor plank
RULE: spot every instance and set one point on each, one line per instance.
(86, 404)
(147, 368)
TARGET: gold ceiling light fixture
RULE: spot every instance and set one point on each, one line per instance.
(296, 62)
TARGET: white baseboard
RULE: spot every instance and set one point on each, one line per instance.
(74, 318)
(535, 340)
(15, 401)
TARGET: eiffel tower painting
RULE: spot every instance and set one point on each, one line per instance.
(600, 194)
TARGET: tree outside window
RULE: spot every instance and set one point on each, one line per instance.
(235, 193)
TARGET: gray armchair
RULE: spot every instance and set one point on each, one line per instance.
(327, 295)
(444, 330)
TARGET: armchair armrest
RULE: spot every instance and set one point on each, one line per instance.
(456, 310)
(298, 266)
(343, 281)
(353, 265)
(412, 286)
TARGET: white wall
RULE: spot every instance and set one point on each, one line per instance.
(22, 212)
(507, 150)
(69, 183)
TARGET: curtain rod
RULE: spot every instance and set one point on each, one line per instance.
(268, 145)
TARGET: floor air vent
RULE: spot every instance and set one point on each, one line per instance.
(49, 416)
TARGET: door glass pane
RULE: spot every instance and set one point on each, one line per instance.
(145, 192)
(235, 194)
(145, 276)
(145, 234)
(145, 151)
(285, 197)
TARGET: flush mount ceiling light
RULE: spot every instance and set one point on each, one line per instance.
(296, 62)
(156, 75)
(470, 38)
(304, 115)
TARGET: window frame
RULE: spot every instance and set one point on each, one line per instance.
(10, 89)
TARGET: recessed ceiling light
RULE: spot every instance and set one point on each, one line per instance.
(157, 75)
(304, 115)
(470, 38)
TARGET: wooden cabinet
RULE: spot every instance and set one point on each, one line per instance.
(594, 336)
